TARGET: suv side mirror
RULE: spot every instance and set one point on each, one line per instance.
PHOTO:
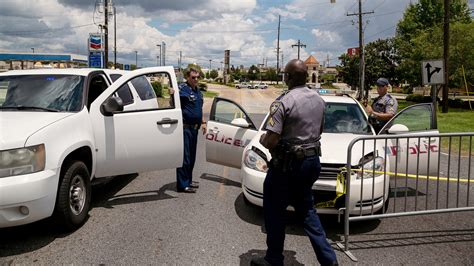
(398, 128)
(111, 105)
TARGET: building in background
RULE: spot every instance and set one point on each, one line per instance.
(15, 61)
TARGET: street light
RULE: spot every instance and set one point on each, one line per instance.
(159, 47)
(210, 60)
(136, 59)
(33, 49)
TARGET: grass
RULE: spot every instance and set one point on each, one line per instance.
(455, 120)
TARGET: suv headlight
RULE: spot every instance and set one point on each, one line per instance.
(371, 168)
(22, 161)
(254, 161)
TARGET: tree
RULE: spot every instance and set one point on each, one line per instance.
(271, 74)
(253, 73)
(382, 60)
(214, 74)
(422, 19)
(349, 70)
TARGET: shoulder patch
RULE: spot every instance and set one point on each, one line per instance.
(274, 107)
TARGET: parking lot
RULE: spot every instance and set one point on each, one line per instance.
(141, 219)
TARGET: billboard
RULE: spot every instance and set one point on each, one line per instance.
(96, 42)
(95, 59)
(353, 51)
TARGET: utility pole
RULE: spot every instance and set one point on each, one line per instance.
(180, 59)
(163, 56)
(278, 49)
(159, 47)
(361, 52)
(136, 59)
(446, 56)
(106, 33)
(299, 44)
(210, 60)
(115, 38)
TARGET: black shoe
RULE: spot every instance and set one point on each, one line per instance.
(194, 185)
(187, 190)
(259, 261)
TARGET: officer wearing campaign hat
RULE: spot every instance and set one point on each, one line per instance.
(293, 129)
(384, 106)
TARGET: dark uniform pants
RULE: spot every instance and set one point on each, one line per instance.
(293, 188)
(184, 174)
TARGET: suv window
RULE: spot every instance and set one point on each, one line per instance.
(143, 87)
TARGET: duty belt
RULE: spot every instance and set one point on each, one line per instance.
(194, 126)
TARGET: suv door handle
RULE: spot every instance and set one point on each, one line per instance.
(214, 130)
(167, 121)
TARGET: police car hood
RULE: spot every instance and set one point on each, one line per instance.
(333, 147)
(16, 127)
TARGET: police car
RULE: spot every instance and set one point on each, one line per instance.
(233, 140)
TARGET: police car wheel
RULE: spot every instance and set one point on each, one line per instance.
(74, 196)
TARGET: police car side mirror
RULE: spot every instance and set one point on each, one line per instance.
(240, 122)
(397, 129)
(111, 105)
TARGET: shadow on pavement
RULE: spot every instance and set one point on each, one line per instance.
(105, 196)
(404, 239)
(220, 179)
(290, 257)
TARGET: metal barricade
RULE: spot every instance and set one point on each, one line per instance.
(404, 175)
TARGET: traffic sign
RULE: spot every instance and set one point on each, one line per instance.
(433, 72)
(126, 67)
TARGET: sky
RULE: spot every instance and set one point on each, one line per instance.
(200, 29)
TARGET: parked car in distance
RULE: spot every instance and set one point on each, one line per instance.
(244, 85)
(261, 86)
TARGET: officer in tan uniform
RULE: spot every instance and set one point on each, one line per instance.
(384, 106)
(293, 132)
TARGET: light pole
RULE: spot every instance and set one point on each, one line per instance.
(159, 56)
(210, 60)
(33, 49)
(136, 59)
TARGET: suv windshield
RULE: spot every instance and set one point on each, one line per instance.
(343, 118)
(62, 93)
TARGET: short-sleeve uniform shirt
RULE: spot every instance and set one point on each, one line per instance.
(191, 104)
(385, 104)
(297, 115)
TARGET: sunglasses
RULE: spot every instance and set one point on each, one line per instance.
(195, 77)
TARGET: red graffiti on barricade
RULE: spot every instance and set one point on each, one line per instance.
(393, 150)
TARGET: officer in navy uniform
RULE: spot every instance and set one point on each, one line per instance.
(383, 108)
(293, 132)
(191, 105)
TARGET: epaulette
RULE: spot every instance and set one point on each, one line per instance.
(283, 94)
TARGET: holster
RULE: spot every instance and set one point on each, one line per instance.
(283, 155)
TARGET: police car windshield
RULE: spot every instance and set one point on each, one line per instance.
(42, 92)
(343, 118)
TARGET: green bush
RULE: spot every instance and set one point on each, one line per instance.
(158, 88)
(418, 98)
(202, 86)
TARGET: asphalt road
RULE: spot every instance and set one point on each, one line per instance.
(141, 219)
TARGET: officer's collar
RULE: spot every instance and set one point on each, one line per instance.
(189, 85)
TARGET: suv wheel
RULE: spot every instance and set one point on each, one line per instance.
(74, 196)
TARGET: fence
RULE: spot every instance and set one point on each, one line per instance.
(405, 175)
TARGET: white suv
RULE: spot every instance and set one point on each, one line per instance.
(61, 128)
(233, 140)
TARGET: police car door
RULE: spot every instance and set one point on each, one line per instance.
(405, 154)
(229, 130)
(145, 138)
